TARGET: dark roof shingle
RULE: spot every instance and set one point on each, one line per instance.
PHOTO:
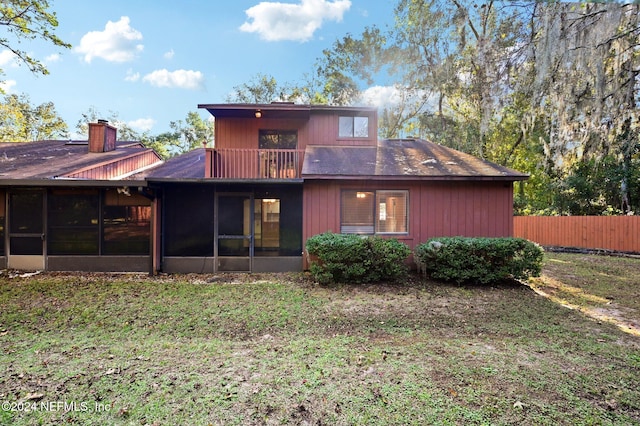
(401, 158)
(52, 159)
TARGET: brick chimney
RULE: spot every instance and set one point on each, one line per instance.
(102, 137)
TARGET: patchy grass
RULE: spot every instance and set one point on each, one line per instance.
(277, 349)
(605, 288)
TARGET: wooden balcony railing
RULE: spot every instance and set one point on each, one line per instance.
(233, 163)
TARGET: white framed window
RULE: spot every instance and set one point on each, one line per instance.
(353, 127)
(374, 212)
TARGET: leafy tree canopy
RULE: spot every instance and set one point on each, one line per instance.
(550, 88)
(20, 121)
(26, 20)
(264, 89)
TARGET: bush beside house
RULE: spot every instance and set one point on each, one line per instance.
(364, 259)
(356, 258)
(481, 260)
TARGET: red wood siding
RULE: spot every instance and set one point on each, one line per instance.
(436, 209)
(323, 130)
(320, 129)
(321, 208)
(620, 233)
(243, 133)
(116, 168)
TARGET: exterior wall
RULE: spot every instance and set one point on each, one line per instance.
(436, 209)
(110, 169)
(320, 129)
(323, 130)
(243, 132)
(468, 209)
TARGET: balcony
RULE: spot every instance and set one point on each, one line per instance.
(235, 163)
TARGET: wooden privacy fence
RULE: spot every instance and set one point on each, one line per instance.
(619, 233)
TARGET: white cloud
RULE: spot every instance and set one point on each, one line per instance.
(7, 57)
(275, 21)
(52, 58)
(117, 43)
(132, 76)
(7, 86)
(392, 96)
(183, 79)
(169, 54)
(381, 96)
(142, 124)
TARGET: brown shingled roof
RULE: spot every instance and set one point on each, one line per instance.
(33, 161)
(401, 159)
(189, 165)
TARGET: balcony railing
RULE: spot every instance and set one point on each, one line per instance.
(235, 163)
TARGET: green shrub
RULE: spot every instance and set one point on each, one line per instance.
(482, 260)
(356, 258)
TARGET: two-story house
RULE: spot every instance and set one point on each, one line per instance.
(278, 174)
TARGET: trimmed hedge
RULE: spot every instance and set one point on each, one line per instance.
(356, 258)
(482, 260)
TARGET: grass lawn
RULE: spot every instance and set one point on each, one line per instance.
(276, 349)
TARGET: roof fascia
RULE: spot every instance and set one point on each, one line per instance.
(67, 182)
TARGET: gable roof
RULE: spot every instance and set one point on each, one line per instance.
(401, 159)
(33, 162)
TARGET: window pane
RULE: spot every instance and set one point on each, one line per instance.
(357, 212)
(26, 245)
(267, 226)
(26, 213)
(233, 247)
(361, 127)
(278, 139)
(288, 140)
(127, 230)
(345, 127)
(287, 214)
(268, 139)
(188, 221)
(391, 211)
(73, 223)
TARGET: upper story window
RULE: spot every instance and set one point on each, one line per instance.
(278, 139)
(353, 127)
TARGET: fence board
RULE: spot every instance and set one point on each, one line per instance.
(619, 233)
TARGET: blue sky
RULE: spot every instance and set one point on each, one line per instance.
(153, 62)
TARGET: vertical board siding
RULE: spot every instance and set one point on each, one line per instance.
(619, 233)
(437, 209)
(471, 209)
(115, 169)
(323, 130)
(243, 133)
